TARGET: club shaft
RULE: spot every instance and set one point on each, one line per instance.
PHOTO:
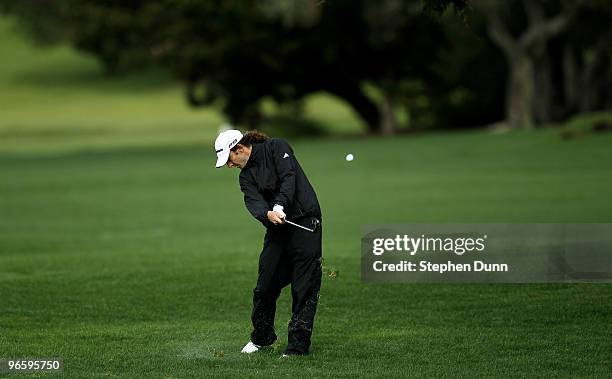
(299, 226)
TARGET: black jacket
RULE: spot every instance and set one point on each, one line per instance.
(272, 176)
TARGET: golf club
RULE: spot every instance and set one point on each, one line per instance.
(299, 226)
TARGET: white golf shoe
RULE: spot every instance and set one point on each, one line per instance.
(250, 348)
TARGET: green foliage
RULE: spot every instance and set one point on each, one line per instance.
(430, 60)
(58, 99)
(469, 88)
(438, 7)
(238, 52)
(586, 124)
(40, 20)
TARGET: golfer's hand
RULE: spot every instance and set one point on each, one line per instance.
(275, 218)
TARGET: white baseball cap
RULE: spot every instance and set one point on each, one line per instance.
(224, 143)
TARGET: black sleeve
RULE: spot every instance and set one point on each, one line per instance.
(284, 164)
(254, 201)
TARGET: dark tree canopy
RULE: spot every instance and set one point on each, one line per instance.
(430, 58)
(237, 52)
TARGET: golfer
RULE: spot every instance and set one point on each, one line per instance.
(276, 189)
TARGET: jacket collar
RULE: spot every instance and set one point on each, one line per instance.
(255, 154)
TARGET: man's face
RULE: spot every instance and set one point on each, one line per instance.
(239, 157)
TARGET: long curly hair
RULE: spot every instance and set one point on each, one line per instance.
(251, 137)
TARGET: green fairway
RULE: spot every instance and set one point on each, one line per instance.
(124, 252)
(141, 262)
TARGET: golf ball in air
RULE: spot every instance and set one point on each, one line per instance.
(349, 157)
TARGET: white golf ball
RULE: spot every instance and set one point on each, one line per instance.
(349, 157)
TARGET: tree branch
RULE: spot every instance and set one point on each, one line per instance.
(534, 11)
(544, 30)
(498, 31)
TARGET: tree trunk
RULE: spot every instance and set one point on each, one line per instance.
(570, 80)
(593, 84)
(387, 121)
(521, 86)
(543, 99)
(520, 93)
(361, 104)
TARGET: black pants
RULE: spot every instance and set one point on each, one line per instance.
(290, 256)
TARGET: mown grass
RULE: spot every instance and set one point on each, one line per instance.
(125, 253)
(141, 263)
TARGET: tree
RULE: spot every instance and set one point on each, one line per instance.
(584, 53)
(521, 52)
(545, 48)
(236, 52)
